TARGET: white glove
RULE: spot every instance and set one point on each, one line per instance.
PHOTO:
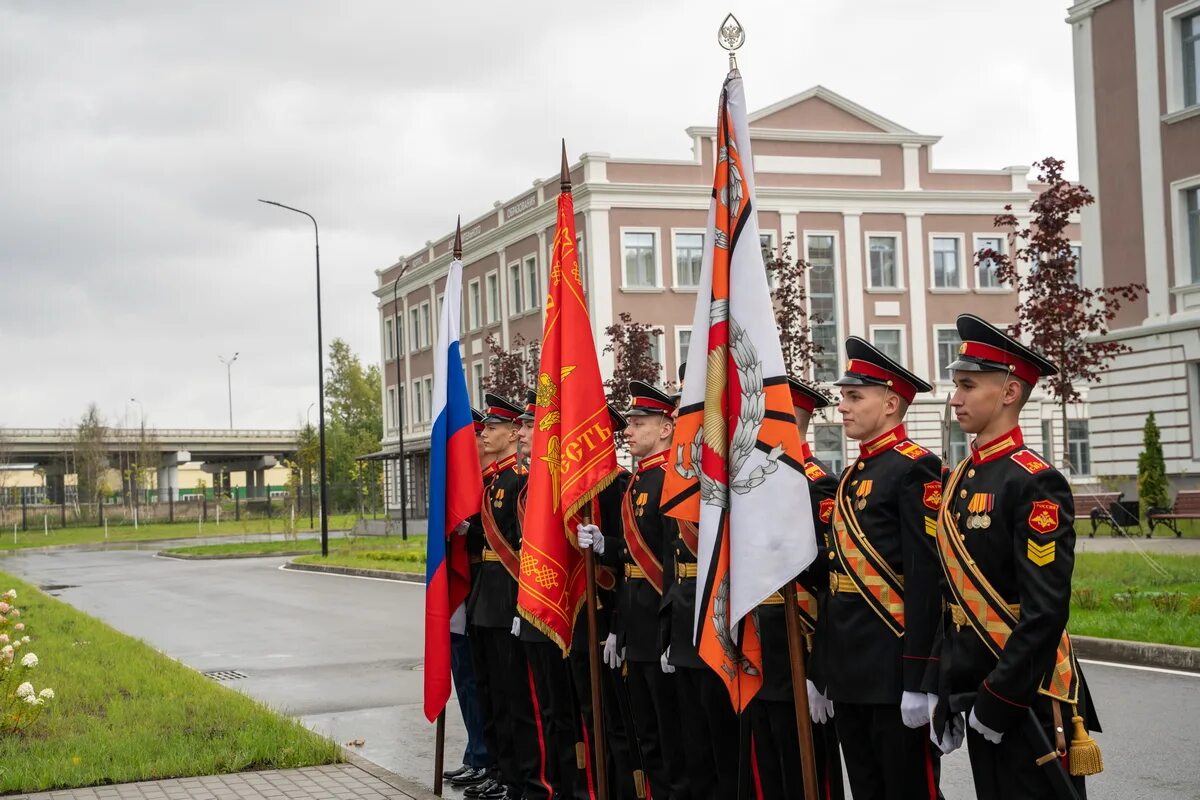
(820, 707)
(667, 668)
(462, 528)
(516, 628)
(983, 730)
(952, 739)
(590, 537)
(611, 657)
(914, 709)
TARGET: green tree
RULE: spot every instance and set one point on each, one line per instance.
(355, 426)
(1152, 470)
(91, 460)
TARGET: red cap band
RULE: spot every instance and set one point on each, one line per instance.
(500, 411)
(652, 404)
(897, 384)
(801, 400)
(1020, 367)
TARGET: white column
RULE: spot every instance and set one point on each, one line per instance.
(789, 226)
(600, 268)
(918, 327)
(502, 283)
(402, 386)
(856, 297)
(1154, 224)
(912, 166)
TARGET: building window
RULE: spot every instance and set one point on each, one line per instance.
(985, 274)
(884, 273)
(1048, 440)
(656, 348)
(391, 407)
(1193, 226)
(1077, 256)
(1079, 446)
(387, 340)
(639, 260)
(426, 330)
(516, 298)
(493, 298)
(689, 252)
(1189, 29)
(947, 268)
(947, 351)
(477, 384)
(474, 305)
(418, 402)
(683, 342)
(766, 243)
(822, 305)
(827, 447)
(441, 301)
(890, 342)
(532, 284)
(427, 387)
(414, 325)
(959, 448)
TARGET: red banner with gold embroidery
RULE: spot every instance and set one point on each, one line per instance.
(573, 456)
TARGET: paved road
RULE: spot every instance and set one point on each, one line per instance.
(343, 654)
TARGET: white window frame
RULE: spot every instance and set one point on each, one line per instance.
(839, 288)
(1179, 224)
(414, 321)
(1074, 243)
(474, 311)
(661, 338)
(1172, 28)
(437, 319)
(388, 338)
(478, 373)
(679, 357)
(426, 325)
(658, 270)
(1003, 288)
(427, 386)
(417, 401)
(533, 290)
(516, 296)
(675, 232)
(898, 238)
(939, 376)
(962, 271)
(492, 315)
(773, 236)
(904, 360)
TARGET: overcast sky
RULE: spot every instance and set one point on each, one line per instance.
(136, 136)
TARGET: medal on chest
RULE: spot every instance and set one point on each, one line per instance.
(979, 509)
(498, 498)
(863, 490)
(639, 504)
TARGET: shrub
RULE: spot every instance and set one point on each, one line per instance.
(1086, 598)
(20, 703)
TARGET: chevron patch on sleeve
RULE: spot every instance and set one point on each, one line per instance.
(1040, 554)
(931, 526)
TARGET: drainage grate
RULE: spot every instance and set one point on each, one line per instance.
(225, 674)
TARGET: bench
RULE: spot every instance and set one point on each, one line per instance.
(1095, 506)
(1187, 506)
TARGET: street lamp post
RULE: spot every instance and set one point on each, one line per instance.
(228, 362)
(320, 378)
(307, 428)
(400, 408)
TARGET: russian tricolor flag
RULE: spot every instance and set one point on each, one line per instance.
(455, 490)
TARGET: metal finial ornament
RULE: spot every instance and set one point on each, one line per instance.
(457, 249)
(731, 37)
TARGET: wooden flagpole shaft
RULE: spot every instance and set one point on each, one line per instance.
(795, 639)
(439, 753)
(589, 562)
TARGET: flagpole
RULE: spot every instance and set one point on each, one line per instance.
(589, 566)
(808, 760)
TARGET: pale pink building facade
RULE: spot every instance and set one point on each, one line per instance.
(889, 236)
(1137, 92)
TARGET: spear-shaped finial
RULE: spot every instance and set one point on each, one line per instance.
(458, 238)
(564, 178)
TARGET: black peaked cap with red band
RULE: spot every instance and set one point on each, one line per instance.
(645, 399)
(530, 405)
(499, 409)
(807, 396)
(986, 348)
(868, 366)
(477, 419)
(619, 423)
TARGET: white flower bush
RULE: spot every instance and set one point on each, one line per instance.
(20, 703)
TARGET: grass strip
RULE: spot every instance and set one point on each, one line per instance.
(1121, 596)
(125, 712)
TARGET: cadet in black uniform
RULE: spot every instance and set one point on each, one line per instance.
(1006, 539)
(641, 552)
(773, 710)
(502, 673)
(879, 617)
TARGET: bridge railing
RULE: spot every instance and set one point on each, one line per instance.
(68, 434)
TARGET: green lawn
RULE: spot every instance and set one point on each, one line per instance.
(124, 712)
(1120, 596)
(1190, 528)
(18, 540)
(413, 548)
(373, 553)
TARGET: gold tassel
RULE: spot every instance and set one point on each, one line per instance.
(580, 756)
(1084, 755)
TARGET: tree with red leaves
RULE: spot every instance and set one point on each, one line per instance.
(1056, 314)
(789, 295)
(632, 345)
(511, 372)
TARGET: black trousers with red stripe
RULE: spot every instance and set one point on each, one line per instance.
(619, 745)
(777, 753)
(555, 699)
(885, 760)
(655, 707)
(503, 681)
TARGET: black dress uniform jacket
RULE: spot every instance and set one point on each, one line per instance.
(1016, 515)
(493, 599)
(895, 487)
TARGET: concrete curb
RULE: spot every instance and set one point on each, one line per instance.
(1165, 656)
(410, 788)
(136, 544)
(227, 556)
(379, 574)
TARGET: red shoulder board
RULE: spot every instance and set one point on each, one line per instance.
(911, 449)
(813, 470)
(825, 509)
(1043, 518)
(933, 495)
(1029, 461)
